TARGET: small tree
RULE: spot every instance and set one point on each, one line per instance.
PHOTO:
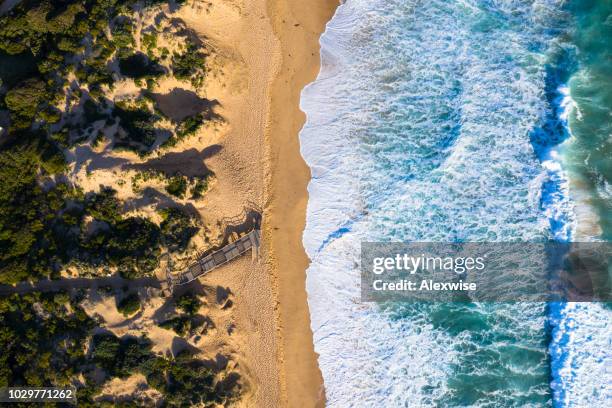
(189, 303)
(177, 186)
(129, 304)
(23, 102)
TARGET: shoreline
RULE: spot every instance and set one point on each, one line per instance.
(298, 27)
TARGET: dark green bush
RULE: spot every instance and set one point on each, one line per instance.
(177, 186)
(185, 324)
(92, 111)
(28, 213)
(181, 325)
(138, 124)
(119, 357)
(123, 37)
(177, 229)
(189, 63)
(42, 340)
(44, 336)
(23, 102)
(183, 381)
(199, 188)
(129, 304)
(131, 243)
(103, 206)
(189, 126)
(189, 303)
(16, 68)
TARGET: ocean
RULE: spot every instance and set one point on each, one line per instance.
(458, 121)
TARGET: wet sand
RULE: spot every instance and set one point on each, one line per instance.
(298, 25)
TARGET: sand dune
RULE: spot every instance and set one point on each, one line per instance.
(260, 54)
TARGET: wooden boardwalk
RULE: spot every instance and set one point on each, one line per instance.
(217, 259)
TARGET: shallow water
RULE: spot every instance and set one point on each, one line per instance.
(445, 121)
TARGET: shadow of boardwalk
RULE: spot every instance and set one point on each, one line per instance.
(236, 226)
(114, 282)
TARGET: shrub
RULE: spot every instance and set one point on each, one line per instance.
(92, 111)
(129, 305)
(137, 123)
(189, 63)
(185, 381)
(181, 325)
(105, 352)
(119, 357)
(199, 188)
(23, 101)
(41, 349)
(177, 186)
(189, 126)
(177, 229)
(103, 206)
(189, 303)
(123, 38)
(28, 213)
(16, 68)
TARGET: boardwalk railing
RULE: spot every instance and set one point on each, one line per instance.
(218, 258)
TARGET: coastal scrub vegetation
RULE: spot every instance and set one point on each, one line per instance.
(138, 65)
(200, 187)
(139, 133)
(183, 380)
(177, 229)
(42, 338)
(190, 64)
(189, 303)
(42, 230)
(188, 127)
(59, 65)
(183, 325)
(48, 341)
(58, 61)
(177, 186)
(129, 305)
(52, 55)
(188, 322)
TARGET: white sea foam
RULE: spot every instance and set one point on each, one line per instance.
(580, 350)
(418, 128)
(581, 336)
(363, 355)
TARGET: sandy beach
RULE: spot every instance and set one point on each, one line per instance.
(268, 51)
(298, 25)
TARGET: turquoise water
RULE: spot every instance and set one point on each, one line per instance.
(456, 121)
(587, 156)
(581, 338)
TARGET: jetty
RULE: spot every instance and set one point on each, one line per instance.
(249, 241)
